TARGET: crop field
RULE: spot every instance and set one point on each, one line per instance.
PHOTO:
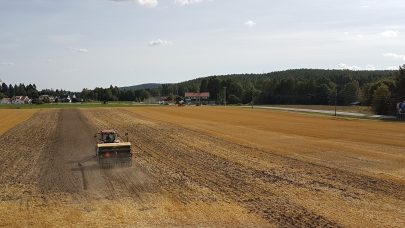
(11, 117)
(201, 166)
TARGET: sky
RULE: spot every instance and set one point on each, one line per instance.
(75, 44)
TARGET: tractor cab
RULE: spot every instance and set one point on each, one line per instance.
(108, 136)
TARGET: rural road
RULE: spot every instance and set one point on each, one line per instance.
(339, 113)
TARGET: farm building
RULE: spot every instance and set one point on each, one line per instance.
(64, 99)
(158, 100)
(47, 98)
(5, 101)
(151, 100)
(194, 98)
(20, 100)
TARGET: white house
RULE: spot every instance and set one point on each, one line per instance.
(47, 98)
(65, 99)
(5, 101)
(20, 100)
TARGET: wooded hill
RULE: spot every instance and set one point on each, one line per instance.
(301, 86)
(382, 89)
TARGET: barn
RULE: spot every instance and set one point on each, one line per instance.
(197, 98)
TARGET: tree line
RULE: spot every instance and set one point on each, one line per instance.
(18, 90)
(379, 89)
(30, 90)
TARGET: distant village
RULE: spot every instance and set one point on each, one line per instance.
(190, 98)
(19, 100)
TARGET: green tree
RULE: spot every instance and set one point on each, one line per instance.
(350, 92)
(233, 99)
(381, 100)
(204, 85)
(235, 88)
(323, 94)
(400, 84)
(214, 88)
(367, 94)
(107, 95)
(4, 88)
(144, 94)
(11, 91)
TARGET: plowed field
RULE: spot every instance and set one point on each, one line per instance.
(202, 166)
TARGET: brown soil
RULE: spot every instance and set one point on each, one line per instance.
(192, 168)
(42, 183)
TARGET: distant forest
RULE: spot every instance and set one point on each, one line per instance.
(380, 89)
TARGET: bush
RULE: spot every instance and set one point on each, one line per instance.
(233, 99)
(37, 101)
(381, 100)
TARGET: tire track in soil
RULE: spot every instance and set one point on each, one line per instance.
(61, 173)
(301, 174)
(22, 149)
(71, 143)
(177, 164)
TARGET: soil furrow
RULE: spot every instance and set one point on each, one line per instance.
(225, 178)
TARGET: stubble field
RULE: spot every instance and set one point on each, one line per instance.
(11, 117)
(203, 166)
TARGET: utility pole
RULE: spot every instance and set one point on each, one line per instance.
(252, 98)
(225, 95)
(336, 94)
(199, 97)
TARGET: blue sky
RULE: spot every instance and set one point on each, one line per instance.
(74, 44)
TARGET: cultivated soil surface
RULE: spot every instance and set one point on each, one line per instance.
(201, 166)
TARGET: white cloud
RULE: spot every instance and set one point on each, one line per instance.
(370, 67)
(159, 42)
(358, 36)
(390, 34)
(148, 3)
(355, 67)
(343, 66)
(250, 23)
(79, 50)
(392, 68)
(395, 56)
(188, 2)
(66, 38)
(7, 64)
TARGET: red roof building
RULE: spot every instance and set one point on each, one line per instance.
(196, 96)
(20, 100)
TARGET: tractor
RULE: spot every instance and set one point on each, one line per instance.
(111, 149)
